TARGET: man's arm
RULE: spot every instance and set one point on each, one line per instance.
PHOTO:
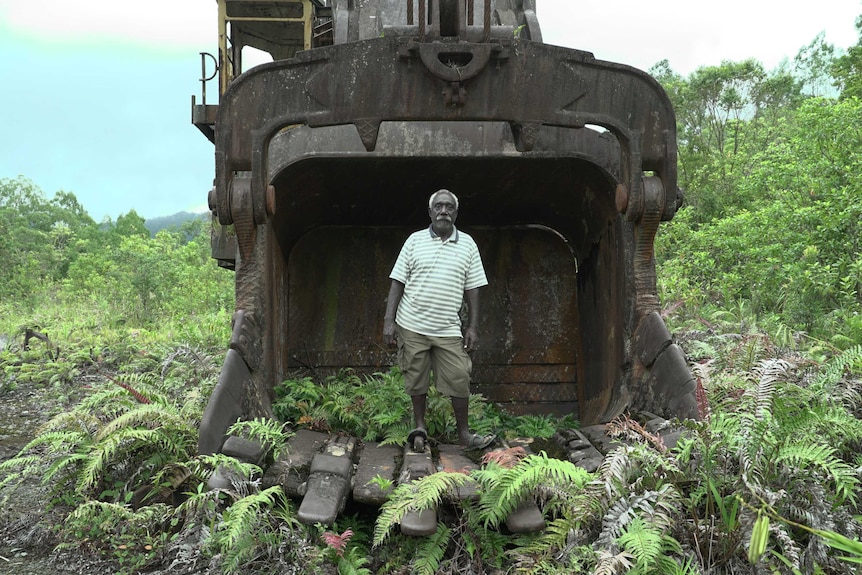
(396, 291)
(471, 334)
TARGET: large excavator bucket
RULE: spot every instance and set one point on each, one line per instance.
(564, 166)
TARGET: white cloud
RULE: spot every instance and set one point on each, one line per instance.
(689, 34)
(693, 34)
(156, 22)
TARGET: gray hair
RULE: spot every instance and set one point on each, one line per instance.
(441, 191)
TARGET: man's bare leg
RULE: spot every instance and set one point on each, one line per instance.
(419, 404)
(459, 406)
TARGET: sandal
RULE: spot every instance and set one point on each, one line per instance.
(417, 439)
(479, 442)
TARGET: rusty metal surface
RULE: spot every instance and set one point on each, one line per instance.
(529, 327)
(528, 86)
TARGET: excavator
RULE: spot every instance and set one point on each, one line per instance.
(335, 121)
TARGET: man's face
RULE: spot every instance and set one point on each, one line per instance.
(443, 213)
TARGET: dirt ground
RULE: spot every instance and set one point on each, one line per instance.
(27, 544)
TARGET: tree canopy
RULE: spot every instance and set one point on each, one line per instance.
(770, 164)
(52, 248)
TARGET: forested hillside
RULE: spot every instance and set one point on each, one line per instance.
(57, 260)
(760, 276)
(771, 165)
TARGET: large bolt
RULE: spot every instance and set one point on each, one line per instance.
(622, 198)
(270, 200)
(212, 200)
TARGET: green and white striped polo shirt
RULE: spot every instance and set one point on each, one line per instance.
(435, 275)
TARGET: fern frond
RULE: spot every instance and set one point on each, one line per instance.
(151, 416)
(660, 508)
(123, 441)
(556, 536)
(516, 485)
(352, 563)
(768, 372)
(643, 542)
(57, 441)
(396, 434)
(789, 548)
(611, 563)
(26, 465)
(61, 464)
(94, 512)
(822, 458)
(824, 423)
(112, 399)
(417, 495)
(240, 517)
(184, 356)
(143, 387)
(271, 434)
(615, 470)
(22, 462)
(203, 466)
(835, 368)
(204, 502)
(72, 421)
(431, 550)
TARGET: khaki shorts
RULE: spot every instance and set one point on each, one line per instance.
(419, 354)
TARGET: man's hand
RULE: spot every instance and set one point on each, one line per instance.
(471, 334)
(389, 332)
(471, 338)
(396, 292)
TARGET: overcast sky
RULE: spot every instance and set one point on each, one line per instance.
(96, 94)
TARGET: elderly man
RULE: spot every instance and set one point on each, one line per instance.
(437, 269)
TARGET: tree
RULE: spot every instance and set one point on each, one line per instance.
(37, 237)
(724, 114)
(795, 248)
(847, 69)
(131, 224)
(813, 66)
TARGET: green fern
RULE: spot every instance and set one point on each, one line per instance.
(16, 471)
(238, 535)
(159, 413)
(557, 535)
(110, 438)
(768, 373)
(821, 458)
(396, 434)
(353, 563)
(642, 541)
(55, 441)
(650, 547)
(53, 456)
(202, 467)
(106, 403)
(504, 490)
(542, 426)
(63, 468)
(78, 420)
(849, 359)
(242, 514)
(431, 550)
(203, 504)
(271, 434)
(418, 495)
